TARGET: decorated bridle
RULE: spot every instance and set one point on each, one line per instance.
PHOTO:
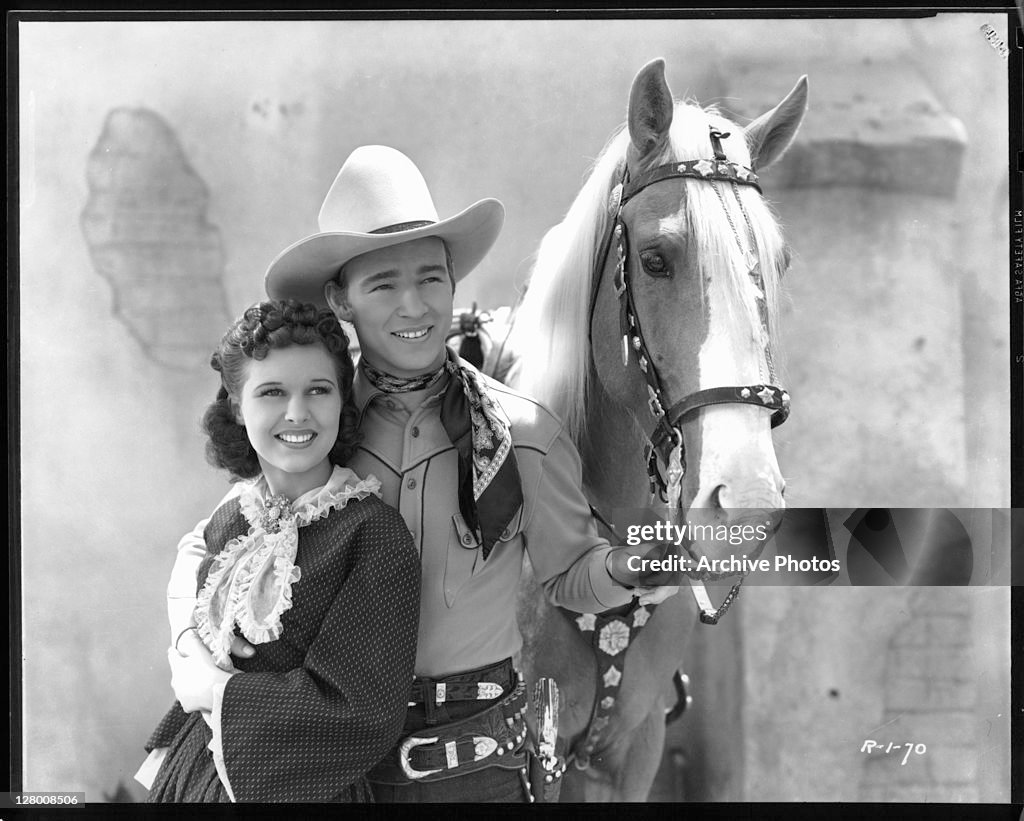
(611, 633)
(666, 440)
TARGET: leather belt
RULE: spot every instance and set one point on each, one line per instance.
(495, 737)
(482, 684)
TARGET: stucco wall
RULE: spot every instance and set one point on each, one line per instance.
(911, 302)
(262, 114)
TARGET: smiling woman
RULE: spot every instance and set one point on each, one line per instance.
(291, 408)
(286, 373)
(298, 557)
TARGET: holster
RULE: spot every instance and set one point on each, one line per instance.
(545, 783)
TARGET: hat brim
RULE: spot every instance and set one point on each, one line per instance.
(302, 269)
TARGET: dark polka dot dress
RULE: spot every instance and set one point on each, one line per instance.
(314, 710)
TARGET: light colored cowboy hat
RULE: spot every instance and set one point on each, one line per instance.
(379, 198)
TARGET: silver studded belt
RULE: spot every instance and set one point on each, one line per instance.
(482, 684)
(494, 737)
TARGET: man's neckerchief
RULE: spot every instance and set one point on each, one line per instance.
(396, 384)
(490, 490)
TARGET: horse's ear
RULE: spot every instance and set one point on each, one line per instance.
(650, 108)
(770, 134)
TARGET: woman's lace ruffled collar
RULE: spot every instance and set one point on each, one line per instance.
(250, 581)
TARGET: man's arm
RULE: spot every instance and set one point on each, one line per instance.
(181, 587)
(578, 569)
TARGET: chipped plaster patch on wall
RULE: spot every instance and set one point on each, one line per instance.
(148, 236)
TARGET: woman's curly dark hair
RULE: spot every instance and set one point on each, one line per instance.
(263, 327)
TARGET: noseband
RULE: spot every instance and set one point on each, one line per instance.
(666, 440)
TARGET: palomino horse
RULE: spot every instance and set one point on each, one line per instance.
(654, 296)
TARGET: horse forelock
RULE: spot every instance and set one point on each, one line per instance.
(551, 336)
(715, 232)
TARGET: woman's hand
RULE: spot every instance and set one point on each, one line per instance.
(194, 673)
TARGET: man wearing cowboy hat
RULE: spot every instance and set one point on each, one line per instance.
(478, 471)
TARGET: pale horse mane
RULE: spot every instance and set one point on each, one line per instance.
(551, 336)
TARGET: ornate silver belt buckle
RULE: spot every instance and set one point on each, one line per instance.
(403, 757)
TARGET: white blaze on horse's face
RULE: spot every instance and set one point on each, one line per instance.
(738, 468)
(702, 327)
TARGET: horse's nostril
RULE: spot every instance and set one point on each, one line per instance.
(736, 495)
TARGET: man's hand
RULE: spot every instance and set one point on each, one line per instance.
(637, 573)
(194, 673)
(656, 595)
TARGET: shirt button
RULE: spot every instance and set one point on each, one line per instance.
(411, 484)
(415, 432)
(467, 539)
(506, 533)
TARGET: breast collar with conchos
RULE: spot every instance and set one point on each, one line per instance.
(666, 440)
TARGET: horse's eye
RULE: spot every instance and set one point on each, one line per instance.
(654, 264)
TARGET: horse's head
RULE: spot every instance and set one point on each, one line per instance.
(689, 278)
(663, 279)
